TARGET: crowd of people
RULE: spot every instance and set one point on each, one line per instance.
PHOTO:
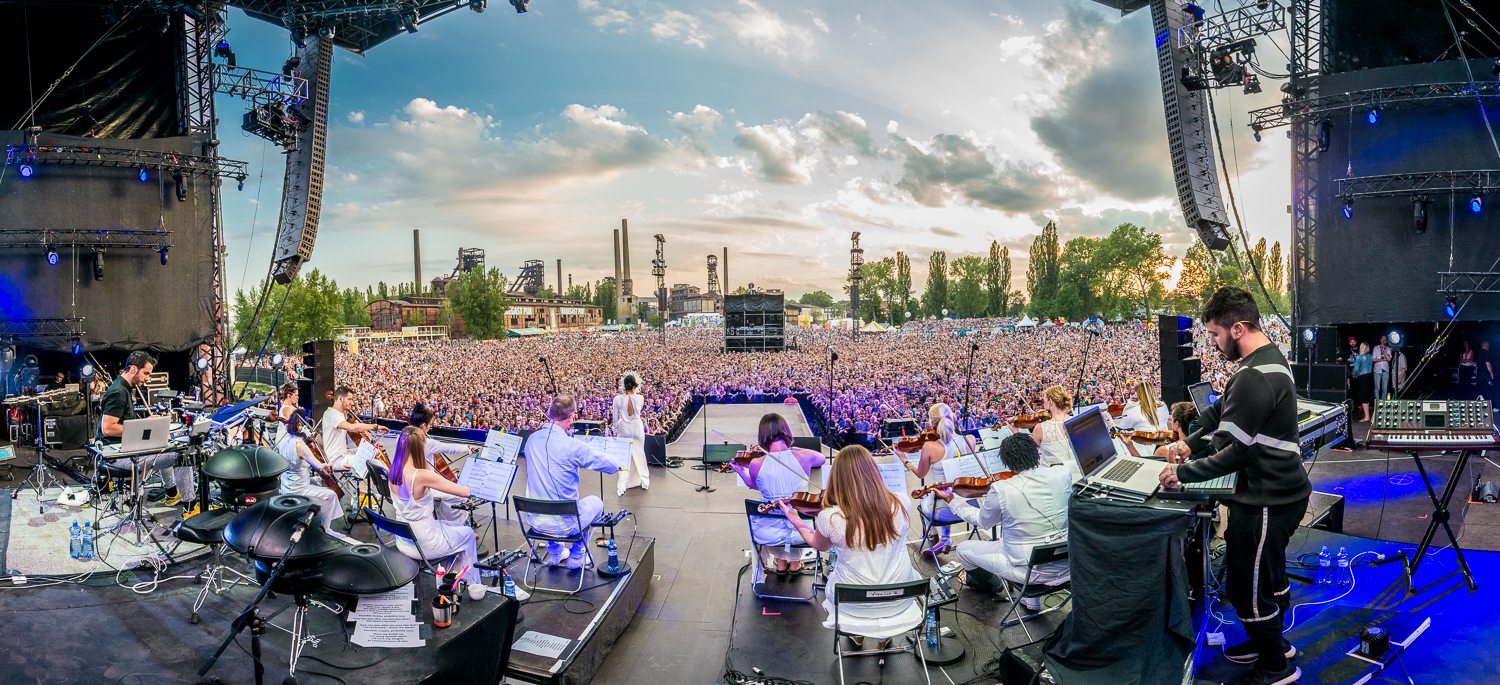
(495, 384)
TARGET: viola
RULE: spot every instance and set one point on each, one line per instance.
(965, 486)
(804, 502)
(915, 442)
(1116, 409)
(743, 458)
(1026, 421)
(1146, 437)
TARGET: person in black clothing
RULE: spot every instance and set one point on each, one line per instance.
(1255, 435)
(118, 406)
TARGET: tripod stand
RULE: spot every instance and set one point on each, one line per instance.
(41, 476)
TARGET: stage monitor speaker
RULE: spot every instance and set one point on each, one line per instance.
(656, 450)
(1329, 377)
(65, 432)
(1175, 334)
(1181, 372)
(813, 444)
(315, 391)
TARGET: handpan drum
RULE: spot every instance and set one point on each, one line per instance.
(367, 570)
(264, 531)
(246, 473)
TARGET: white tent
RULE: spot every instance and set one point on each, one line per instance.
(874, 327)
(1026, 322)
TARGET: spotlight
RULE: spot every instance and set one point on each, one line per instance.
(326, 31)
(1348, 208)
(51, 256)
(1325, 135)
(202, 364)
(242, 183)
(276, 360)
(1476, 203)
(26, 171)
(1192, 9)
(1395, 338)
(1252, 84)
(520, 5)
(291, 65)
(299, 37)
(98, 263)
(144, 176)
(1373, 116)
(181, 187)
(1450, 306)
(163, 252)
(1255, 130)
(1419, 213)
(77, 346)
(478, 6)
(409, 20)
(86, 372)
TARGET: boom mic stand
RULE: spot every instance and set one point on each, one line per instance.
(552, 382)
(969, 377)
(833, 356)
(1093, 333)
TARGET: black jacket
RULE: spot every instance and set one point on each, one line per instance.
(1255, 434)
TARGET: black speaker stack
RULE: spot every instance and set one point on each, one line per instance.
(1317, 345)
(315, 388)
(1322, 382)
(1180, 367)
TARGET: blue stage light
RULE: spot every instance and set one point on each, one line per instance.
(26, 171)
(1450, 306)
(1476, 203)
(51, 256)
(1373, 116)
(144, 177)
(1348, 208)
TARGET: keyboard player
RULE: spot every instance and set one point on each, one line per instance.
(118, 406)
(1254, 434)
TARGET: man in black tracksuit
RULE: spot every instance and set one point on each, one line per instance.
(1255, 435)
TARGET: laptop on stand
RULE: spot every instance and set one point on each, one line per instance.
(1105, 472)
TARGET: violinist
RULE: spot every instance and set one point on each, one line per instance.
(1184, 415)
(287, 401)
(779, 472)
(421, 419)
(1146, 414)
(1031, 509)
(1049, 435)
(949, 443)
(337, 426)
(299, 480)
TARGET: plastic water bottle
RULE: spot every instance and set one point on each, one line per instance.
(510, 585)
(614, 557)
(1343, 559)
(1325, 567)
(75, 540)
(931, 630)
(87, 550)
(833, 557)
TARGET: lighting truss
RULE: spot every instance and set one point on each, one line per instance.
(1464, 282)
(68, 155)
(259, 87)
(355, 25)
(1374, 98)
(41, 328)
(109, 238)
(1247, 21)
(1395, 185)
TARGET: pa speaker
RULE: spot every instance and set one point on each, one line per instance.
(315, 390)
(656, 450)
(1181, 372)
(813, 444)
(1176, 336)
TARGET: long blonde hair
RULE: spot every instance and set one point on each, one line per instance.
(411, 445)
(1145, 393)
(940, 415)
(856, 488)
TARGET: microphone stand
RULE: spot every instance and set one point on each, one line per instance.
(833, 356)
(251, 615)
(1079, 384)
(550, 380)
(969, 377)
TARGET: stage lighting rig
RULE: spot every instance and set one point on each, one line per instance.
(98, 263)
(478, 6)
(520, 5)
(290, 65)
(1395, 338)
(1372, 116)
(27, 171)
(1348, 208)
(1325, 135)
(269, 122)
(1450, 306)
(222, 51)
(1419, 213)
(409, 21)
(181, 187)
(51, 255)
(143, 175)
(163, 252)
(277, 360)
(1476, 203)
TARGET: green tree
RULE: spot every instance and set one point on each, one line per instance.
(546, 293)
(478, 297)
(901, 289)
(1043, 270)
(997, 279)
(1276, 271)
(1017, 303)
(355, 313)
(577, 293)
(604, 296)
(879, 282)
(935, 298)
(1132, 259)
(641, 311)
(314, 308)
(817, 298)
(970, 273)
(1080, 287)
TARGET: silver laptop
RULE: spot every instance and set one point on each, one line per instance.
(1102, 467)
(146, 434)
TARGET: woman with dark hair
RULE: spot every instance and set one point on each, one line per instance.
(867, 525)
(781, 471)
(413, 485)
(298, 480)
(1031, 509)
(421, 418)
(1180, 423)
(625, 422)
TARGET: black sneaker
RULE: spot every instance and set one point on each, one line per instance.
(1244, 652)
(1256, 676)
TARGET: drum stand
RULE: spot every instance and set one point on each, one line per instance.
(41, 476)
(300, 636)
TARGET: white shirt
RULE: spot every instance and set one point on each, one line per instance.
(1031, 509)
(1382, 366)
(335, 439)
(553, 459)
(1134, 418)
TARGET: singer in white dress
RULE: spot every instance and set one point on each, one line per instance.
(626, 422)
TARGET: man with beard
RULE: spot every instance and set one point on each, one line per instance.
(1255, 434)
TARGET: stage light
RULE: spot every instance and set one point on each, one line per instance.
(1348, 208)
(1476, 203)
(98, 263)
(1255, 131)
(86, 372)
(1419, 213)
(299, 37)
(242, 183)
(181, 187)
(77, 346)
(1372, 116)
(144, 176)
(276, 360)
(51, 256)
(520, 5)
(1395, 338)
(326, 31)
(290, 65)
(202, 364)
(1325, 135)
(163, 252)
(26, 171)
(409, 20)
(1450, 306)
(478, 6)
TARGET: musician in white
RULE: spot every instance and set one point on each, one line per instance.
(553, 458)
(1031, 508)
(299, 480)
(625, 422)
(421, 418)
(336, 429)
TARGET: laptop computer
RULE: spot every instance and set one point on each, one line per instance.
(1203, 396)
(1102, 467)
(146, 434)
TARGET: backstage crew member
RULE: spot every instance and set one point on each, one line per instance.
(118, 406)
(1256, 436)
(553, 458)
(337, 426)
(1031, 509)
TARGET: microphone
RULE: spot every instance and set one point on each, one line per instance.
(543, 359)
(304, 522)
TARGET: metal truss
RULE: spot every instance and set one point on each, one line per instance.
(1247, 21)
(41, 328)
(1393, 185)
(109, 238)
(1307, 46)
(1375, 98)
(1467, 282)
(259, 87)
(120, 157)
(354, 25)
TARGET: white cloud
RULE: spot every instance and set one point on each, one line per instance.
(728, 204)
(696, 127)
(782, 156)
(822, 26)
(1024, 49)
(762, 28)
(357, 117)
(680, 26)
(891, 126)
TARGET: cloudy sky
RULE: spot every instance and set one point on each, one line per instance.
(772, 128)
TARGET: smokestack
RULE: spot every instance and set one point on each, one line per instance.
(560, 291)
(570, 281)
(727, 289)
(416, 254)
(629, 290)
(617, 275)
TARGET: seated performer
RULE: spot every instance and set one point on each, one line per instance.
(336, 429)
(1050, 435)
(1031, 508)
(949, 444)
(413, 485)
(1145, 414)
(552, 461)
(782, 471)
(299, 480)
(867, 525)
(1184, 415)
(421, 418)
(118, 406)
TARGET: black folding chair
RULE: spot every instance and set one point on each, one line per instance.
(1040, 555)
(752, 512)
(403, 530)
(873, 594)
(549, 507)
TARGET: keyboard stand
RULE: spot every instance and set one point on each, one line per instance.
(1440, 516)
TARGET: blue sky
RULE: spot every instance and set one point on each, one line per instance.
(772, 128)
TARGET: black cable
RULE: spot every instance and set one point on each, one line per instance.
(731, 676)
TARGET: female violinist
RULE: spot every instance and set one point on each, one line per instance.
(421, 419)
(1146, 414)
(949, 443)
(299, 480)
(1050, 437)
(779, 472)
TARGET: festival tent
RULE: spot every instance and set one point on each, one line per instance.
(526, 332)
(1026, 322)
(1048, 324)
(874, 327)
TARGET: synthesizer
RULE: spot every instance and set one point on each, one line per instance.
(1433, 425)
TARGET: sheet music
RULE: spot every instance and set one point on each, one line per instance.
(894, 476)
(386, 620)
(991, 461)
(488, 480)
(501, 446)
(965, 466)
(617, 449)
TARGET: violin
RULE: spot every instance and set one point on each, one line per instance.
(1146, 437)
(1026, 421)
(804, 502)
(743, 458)
(360, 437)
(915, 442)
(965, 486)
(1116, 409)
